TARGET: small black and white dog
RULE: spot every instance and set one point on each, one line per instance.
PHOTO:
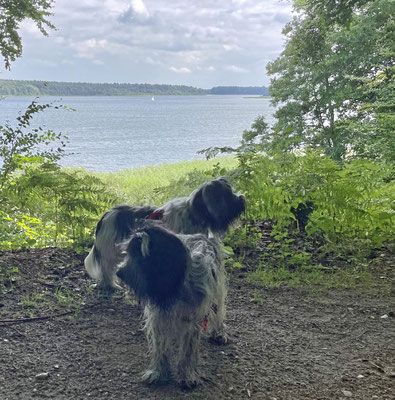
(209, 209)
(181, 281)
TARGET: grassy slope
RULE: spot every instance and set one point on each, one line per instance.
(142, 185)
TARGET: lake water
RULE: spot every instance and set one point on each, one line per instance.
(112, 133)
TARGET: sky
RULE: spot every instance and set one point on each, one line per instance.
(201, 43)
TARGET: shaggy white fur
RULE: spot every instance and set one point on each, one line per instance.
(174, 323)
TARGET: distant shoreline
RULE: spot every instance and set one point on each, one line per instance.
(3, 96)
(25, 88)
(257, 97)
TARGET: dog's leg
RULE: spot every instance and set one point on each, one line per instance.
(159, 346)
(101, 267)
(216, 322)
(186, 369)
(109, 281)
(159, 370)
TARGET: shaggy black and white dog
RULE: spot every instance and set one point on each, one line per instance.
(182, 283)
(210, 208)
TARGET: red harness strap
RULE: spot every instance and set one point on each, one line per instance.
(205, 324)
(157, 215)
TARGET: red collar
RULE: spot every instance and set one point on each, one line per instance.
(205, 324)
(156, 215)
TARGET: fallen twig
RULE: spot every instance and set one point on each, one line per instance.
(378, 367)
(44, 317)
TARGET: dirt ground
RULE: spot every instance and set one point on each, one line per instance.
(286, 345)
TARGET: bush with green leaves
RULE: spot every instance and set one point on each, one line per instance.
(54, 207)
(356, 200)
(42, 204)
(347, 210)
(21, 145)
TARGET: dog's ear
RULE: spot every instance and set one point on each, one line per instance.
(144, 243)
(136, 250)
(156, 265)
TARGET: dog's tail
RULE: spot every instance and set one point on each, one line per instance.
(92, 266)
(113, 228)
(100, 264)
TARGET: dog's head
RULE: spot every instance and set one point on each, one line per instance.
(215, 203)
(155, 265)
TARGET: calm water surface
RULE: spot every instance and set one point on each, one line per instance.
(112, 133)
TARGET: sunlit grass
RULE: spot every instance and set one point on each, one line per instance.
(142, 185)
(31, 300)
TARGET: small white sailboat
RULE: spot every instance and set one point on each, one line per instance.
(153, 98)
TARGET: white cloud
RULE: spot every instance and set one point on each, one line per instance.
(228, 47)
(136, 12)
(182, 41)
(89, 48)
(45, 63)
(191, 57)
(139, 7)
(59, 40)
(68, 62)
(182, 70)
(28, 27)
(235, 68)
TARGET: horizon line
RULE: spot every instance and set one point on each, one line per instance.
(128, 83)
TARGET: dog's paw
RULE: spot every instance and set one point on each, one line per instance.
(190, 382)
(218, 338)
(153, 376)
(105, 291)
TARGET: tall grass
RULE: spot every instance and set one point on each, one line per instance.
(147, 185)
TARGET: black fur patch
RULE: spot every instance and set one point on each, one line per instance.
(159, 276)
(126, 219)
(200, 212)
(216, 203)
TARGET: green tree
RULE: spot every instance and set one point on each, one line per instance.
(331, 78)
(335, 11)
(373, 124)
(12, 13)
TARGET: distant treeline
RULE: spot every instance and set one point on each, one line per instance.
(36, 88)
